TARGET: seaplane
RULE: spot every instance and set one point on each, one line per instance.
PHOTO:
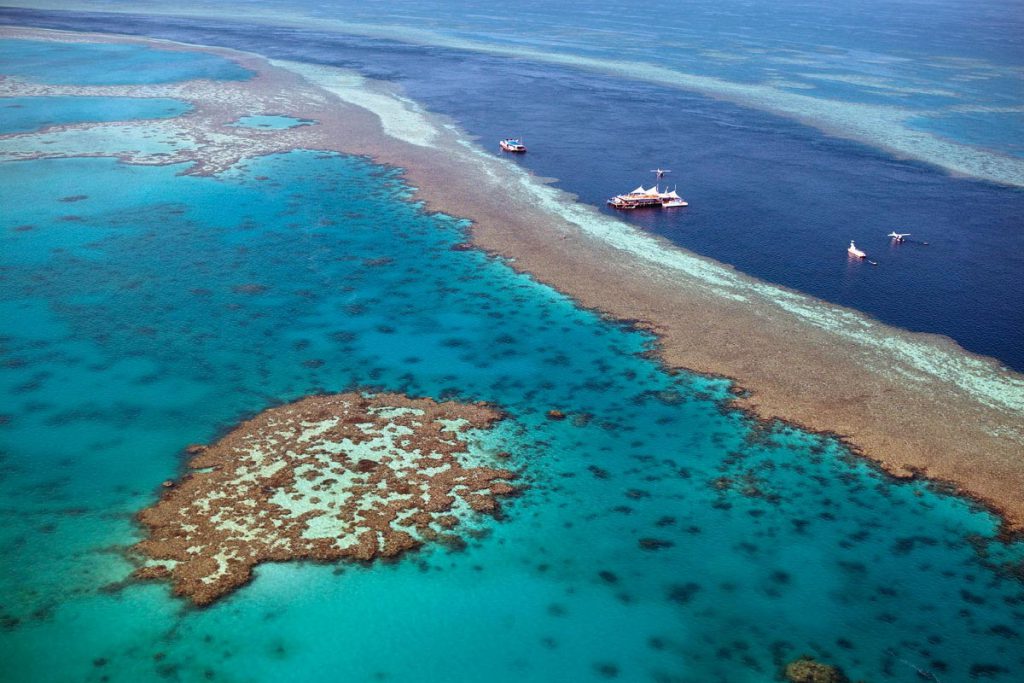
(898, 236)
(669, 200)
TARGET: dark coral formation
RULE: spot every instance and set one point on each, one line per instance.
(325, 478)
(808, 670)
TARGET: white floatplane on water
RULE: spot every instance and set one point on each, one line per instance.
(646, 197)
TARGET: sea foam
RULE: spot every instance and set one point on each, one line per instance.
(400, 117)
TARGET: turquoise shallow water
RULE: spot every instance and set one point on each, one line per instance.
(110, 64)
(981, 128)
(160, 309)
(23, 114)
(271, 122)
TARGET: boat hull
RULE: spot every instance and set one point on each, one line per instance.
(625, 204)
(647, 198)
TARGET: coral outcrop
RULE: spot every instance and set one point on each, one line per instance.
(343, 476)
(809, 670)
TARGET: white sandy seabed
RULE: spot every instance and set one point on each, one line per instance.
(915, 357)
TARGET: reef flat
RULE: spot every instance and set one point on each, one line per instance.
(342, 476)
(212, 136)
(916, 404)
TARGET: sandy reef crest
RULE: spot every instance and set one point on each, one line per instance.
(918, 405)
(343, 476)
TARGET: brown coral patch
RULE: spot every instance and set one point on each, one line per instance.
(807, 670)
(344, 476)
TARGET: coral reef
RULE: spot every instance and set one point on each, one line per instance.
(808, 670)
(324, 478)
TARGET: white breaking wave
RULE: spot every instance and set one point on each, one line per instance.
(401, 118)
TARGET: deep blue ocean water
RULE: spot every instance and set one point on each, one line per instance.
(776, 199)
(157, 309)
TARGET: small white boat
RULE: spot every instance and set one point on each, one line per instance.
(512, 145)
(855, 252)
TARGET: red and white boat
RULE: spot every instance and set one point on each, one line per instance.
(855, 252)
(512, 145)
